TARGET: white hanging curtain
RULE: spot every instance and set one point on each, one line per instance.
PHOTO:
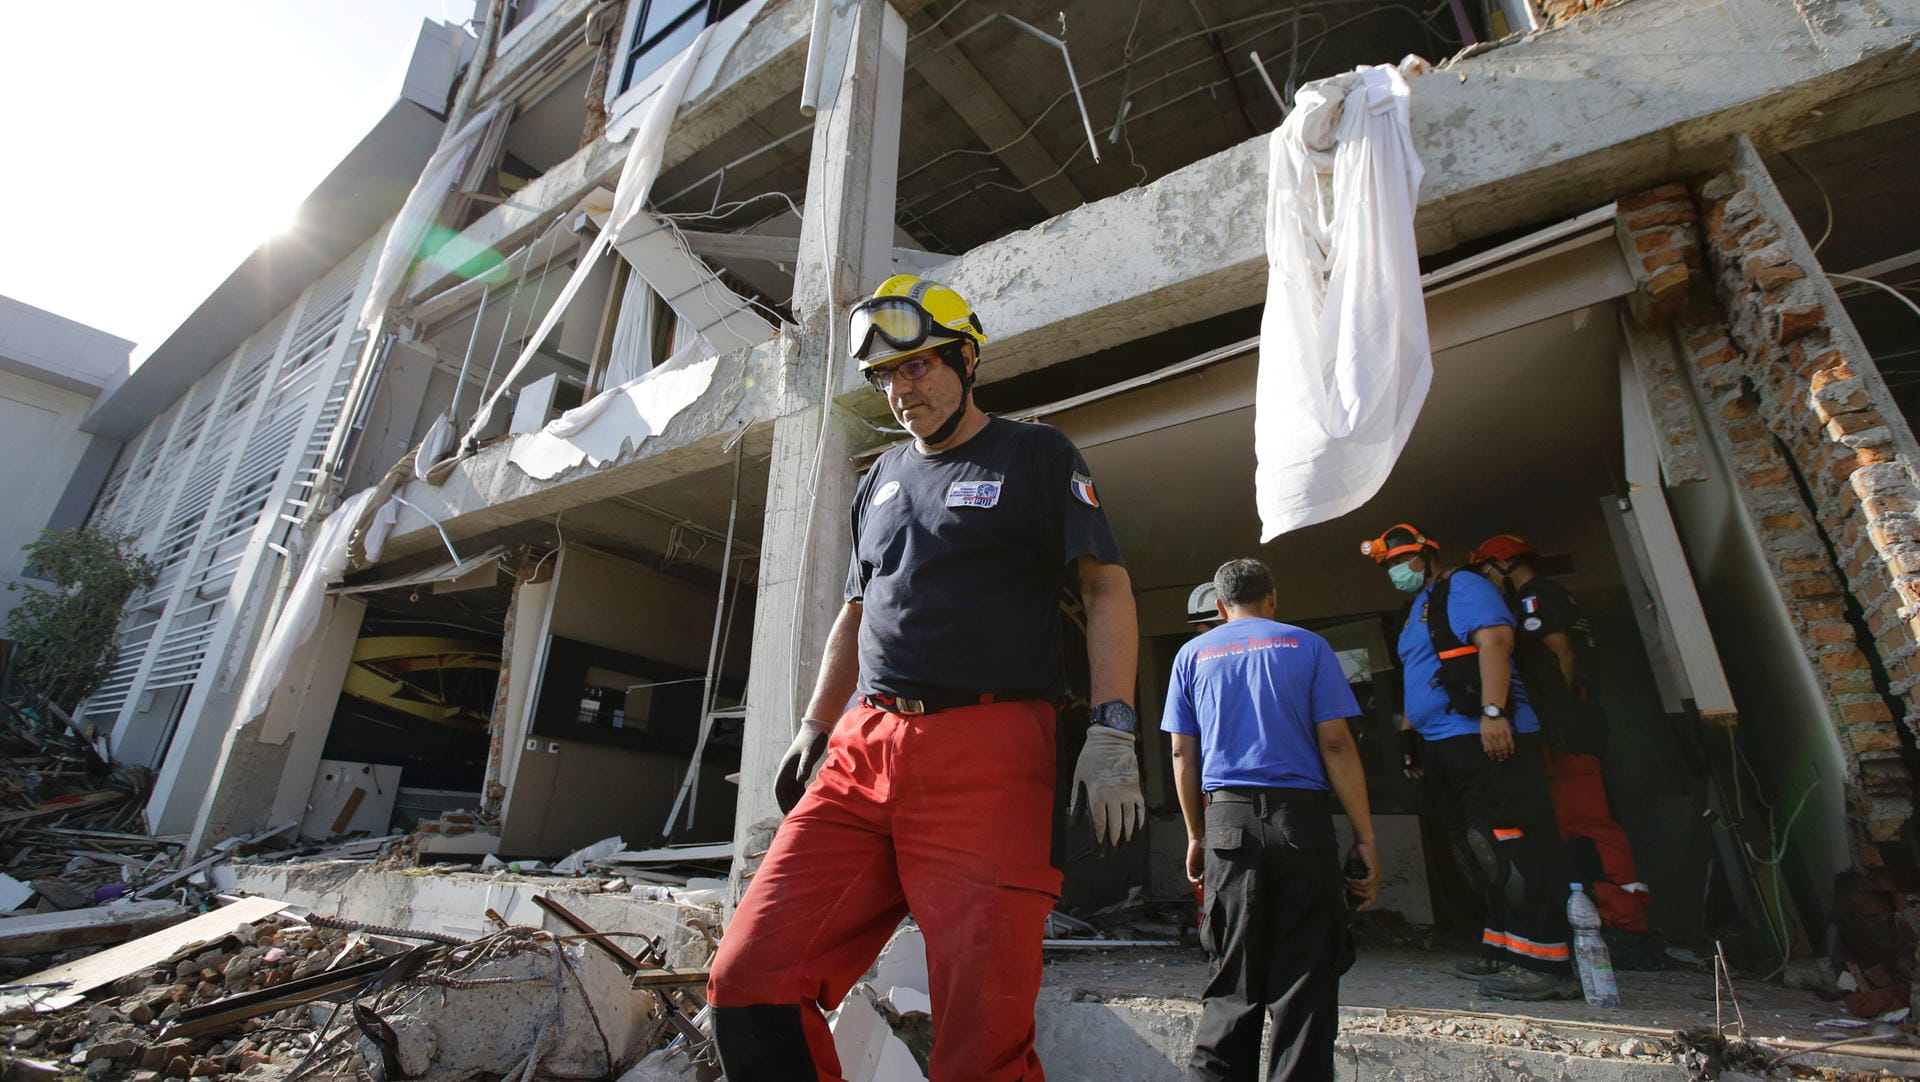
(636, 181)
(422, 208)
(1344, 358)
(636, 333)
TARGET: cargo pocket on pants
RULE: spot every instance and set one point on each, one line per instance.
(1222, 843)
(1022, 898)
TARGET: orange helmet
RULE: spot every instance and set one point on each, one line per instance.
(1504, 546)
(1397, 541)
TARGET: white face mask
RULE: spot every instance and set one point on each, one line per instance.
(1405, 578)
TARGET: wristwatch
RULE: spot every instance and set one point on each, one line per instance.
(1492, 710)
(1114, 714)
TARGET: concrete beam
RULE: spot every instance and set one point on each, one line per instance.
(954, 78)
(486, 493)
(1555, 123)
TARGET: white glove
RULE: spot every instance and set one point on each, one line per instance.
(1109, 771)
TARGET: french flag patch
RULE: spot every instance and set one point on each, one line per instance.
(1083, 490)
(1530, 604)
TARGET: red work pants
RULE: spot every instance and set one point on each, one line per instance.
(1580, 807)
(946, 815)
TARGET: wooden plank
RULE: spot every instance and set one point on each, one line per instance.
(346, 810)
(98, 970)
(87, 800)
(37, 933)
(664, 978)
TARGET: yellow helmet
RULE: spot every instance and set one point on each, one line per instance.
(903, 315)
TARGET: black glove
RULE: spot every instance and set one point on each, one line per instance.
(1410, 745)
(797, 766)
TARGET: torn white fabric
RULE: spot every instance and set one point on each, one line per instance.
(575, 863)
(326, 564)
(374, 541)
(634, 332)
(606, 426)
(421, 210)
(1344, 358)
(636, 181)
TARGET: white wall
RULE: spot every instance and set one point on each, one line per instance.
(40, 444)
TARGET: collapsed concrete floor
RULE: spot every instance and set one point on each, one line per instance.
(1104, 1014)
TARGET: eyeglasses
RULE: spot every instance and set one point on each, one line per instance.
(912, 370)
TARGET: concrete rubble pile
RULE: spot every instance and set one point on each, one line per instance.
(287, 997)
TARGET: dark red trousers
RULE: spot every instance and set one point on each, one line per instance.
(1580, 808)
(946, 815)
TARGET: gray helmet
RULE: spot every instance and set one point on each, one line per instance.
(1201, 605)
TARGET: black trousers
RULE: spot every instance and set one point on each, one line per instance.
(1500, 817)
(1275, 927)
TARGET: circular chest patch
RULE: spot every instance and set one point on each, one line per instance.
(1532, 623)
(886, 492)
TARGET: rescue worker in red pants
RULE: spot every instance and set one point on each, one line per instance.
(934, 792)
(1556, 654)
(1480, 746)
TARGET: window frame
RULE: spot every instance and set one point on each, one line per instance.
(631, 51)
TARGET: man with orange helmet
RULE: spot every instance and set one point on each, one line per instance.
(934, 792)
(1556, 655)
(1480, 742)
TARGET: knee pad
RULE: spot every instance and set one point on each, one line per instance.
(764, 1041)
(1484, 856)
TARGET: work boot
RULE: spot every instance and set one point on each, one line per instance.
(1478, 968)
(1515, 982)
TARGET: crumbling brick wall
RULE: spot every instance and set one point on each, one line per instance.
(1557, 12)
(1820, 468)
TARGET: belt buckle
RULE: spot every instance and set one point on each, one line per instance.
(910, 706)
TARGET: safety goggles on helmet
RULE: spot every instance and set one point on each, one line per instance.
(883, 327)
(1399, 540)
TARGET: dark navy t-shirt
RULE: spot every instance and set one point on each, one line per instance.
(959, 557)
(1255, 692)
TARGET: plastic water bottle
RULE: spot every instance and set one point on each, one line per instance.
(1590, 951)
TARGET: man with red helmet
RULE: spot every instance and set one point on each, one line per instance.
(1480, 751)
(1556, 655)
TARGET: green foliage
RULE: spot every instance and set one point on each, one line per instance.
(67, 636)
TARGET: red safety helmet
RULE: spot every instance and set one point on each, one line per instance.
(1504, 546)
(1398, 540)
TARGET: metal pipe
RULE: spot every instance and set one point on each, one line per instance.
(816, 58)
(1271, 89)
(690, 786)
(1060, 44)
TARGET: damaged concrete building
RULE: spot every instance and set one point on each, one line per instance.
(1665, 247)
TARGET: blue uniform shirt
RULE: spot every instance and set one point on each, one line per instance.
(1253, 690)
(1472, 604)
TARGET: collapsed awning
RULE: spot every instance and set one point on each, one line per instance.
(479, 568)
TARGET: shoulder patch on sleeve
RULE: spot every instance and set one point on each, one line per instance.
(1083, 490)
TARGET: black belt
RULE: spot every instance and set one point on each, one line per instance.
(1265, 799)
(933, 703)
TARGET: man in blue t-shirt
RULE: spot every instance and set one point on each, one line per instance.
(1481, 753)
(1258, 711)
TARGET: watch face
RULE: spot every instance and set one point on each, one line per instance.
(1116, 715)
(1490, 711)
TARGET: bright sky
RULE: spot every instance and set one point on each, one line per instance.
(150, 147)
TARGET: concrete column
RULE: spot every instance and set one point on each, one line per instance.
(846, 248)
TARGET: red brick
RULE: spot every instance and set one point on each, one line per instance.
(1813, 586)
(1831, 633)
(1792, 520)
(1823, 610)
(1843, 661)
(1802, 565)
(1829, 367)
(1718, 356)
(1771, 475)
(1893, 532)
(1798, 320)
(1665, 257)
(1668, 280)
(1647, 242)
(1665, 193)
(1775, 277)
(1746, 432)
(1673, 213)
(1868, 738)
(1847, 424)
